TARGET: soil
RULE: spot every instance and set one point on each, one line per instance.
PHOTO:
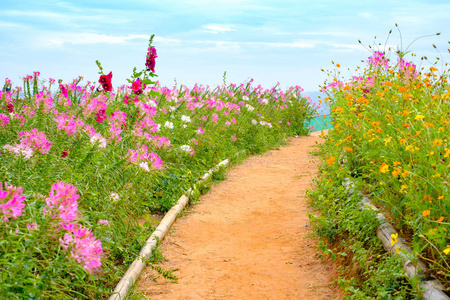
(249, 236)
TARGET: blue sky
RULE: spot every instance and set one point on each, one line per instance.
(197, 40)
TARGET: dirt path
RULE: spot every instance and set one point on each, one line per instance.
(248, 237)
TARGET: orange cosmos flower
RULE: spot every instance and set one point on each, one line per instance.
(331, 160)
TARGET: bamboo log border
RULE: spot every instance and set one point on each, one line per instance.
(138, 265)
(432, 288)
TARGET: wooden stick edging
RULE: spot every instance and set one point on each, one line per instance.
(138, 265)
(432, 288)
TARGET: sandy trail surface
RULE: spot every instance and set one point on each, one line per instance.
(248, 237)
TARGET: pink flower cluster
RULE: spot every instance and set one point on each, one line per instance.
(36, 140)
(407, 68)
(63, 201)
(378, 60)
(45, 101)
(68, 124)
(84, 247)
(31, 141)
(11, 201)
(142, 157)
(4, 120)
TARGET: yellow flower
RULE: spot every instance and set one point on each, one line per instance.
(396, 163)
(419, 117)
(447, 250)
(386, 141)
(447, 152)
(384, 168)
(404, 187)
(440, 219)
(394, 238)
(426, 212)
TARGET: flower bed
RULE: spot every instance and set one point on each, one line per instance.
(80, 162)
(391, 133)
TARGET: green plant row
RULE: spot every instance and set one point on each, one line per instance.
(391, 134)
(81, 163)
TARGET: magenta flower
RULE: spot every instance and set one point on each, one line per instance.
(4, 120)
(105, 81)
(84, 247)
(68, 124)
(11, 201)
(150, 59)
(63, 201)
(143, 158)
(136, 86)
(378, 59)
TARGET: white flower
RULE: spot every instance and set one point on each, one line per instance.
(254, 122)
(172, 108)
(173, 98)
(269, 124)
(184, 125)
(98, 138)
(152, 103)
(26, 151)
(262, 123)
(186, 148)
(245, 98)
(114, 196)
(249, 107)
(159, 127)
(185, 118)
(144, 165)
(168, 125)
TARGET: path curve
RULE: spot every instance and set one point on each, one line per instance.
(248, 237)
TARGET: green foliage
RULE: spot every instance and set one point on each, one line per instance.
(391, 136)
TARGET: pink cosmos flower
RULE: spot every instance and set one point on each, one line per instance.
(11, 201)
(63, 201)
(200, 130)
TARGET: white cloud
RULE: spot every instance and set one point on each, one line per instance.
(366, 15)
(216, 28)
(58, 39)
(348, 47)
